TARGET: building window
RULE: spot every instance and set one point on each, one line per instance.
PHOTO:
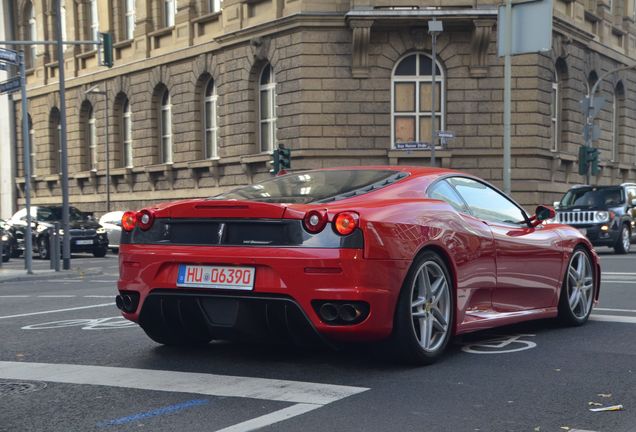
(411, 100)
(55, 130)
(267, 109)
(94, 20)
(214, 6)
(91, 140)
(33, 152)
(211, 123)
(169, 12)
(129, 18)
(31, 34)
(555, 112)
(165, 127)
(126, 135)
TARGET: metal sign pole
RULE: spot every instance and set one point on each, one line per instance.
(66, 246)
(28, 241)
(507, 97)
(107, 149)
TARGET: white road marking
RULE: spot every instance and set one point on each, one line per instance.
(15, 296)
(619, 282)
(271, 418)
(618, 274)
(614, 318)
(57, 296)
(102, 281)
(99, 296)
(614, 310)
(56, 310)
(182, 382)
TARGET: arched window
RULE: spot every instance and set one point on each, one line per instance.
(33, 159)
(31, 33)
(618, 97)
(169, 12)
(411, 99)
(165, 127)
(129, 18)
(210, 119)
(93, 20)
(267, 109)
(126, 134)
(55, 151)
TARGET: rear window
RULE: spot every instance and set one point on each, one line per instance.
(314, 186)
(593, 198)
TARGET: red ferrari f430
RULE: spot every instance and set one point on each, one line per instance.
(411, 255)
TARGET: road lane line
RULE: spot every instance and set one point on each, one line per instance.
(181, 382)
(618, 273)
(56, 310)
(154, 413)
(99, 296)
(613, 318)
(271, 418)
(614, 310)
(15, 296)
(57, 296)
(618, 282)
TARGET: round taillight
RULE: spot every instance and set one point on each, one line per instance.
(145, 218)
(345, 223)
(129, 220)
(314, 221)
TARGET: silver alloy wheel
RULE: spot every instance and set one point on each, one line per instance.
(626, 240)
(430, 306)
(580, 285)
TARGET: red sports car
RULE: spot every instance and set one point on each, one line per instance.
(412, 255)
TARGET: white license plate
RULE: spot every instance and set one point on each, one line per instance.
(200, 276)
(84, 242)
(583, 231)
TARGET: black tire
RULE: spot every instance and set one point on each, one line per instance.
(99, 252)
(15, 252)
(43, 248)
(622, 246)
(405, 336)
(6, 257)
(576, 315)
(114, 250)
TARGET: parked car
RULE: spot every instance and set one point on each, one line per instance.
(605, 214)
(86, 235)
(9, 246)
(412, 254)
(112, 222)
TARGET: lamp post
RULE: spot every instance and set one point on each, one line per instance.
(96, 90)
(434, 28)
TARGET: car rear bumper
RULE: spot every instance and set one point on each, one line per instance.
(285, 279)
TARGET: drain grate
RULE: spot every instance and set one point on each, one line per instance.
(15, 387)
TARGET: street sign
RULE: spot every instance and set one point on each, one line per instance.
(531, 29)
(413, 145)
(599, 104)
(11, 85)
(8, 56)
(445, 134)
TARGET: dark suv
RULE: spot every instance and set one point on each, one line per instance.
(86, 234)
(605, 214)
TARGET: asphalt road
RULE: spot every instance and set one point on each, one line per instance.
(69, 363)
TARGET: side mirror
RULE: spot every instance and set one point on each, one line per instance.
(556, 204)
(542, 213)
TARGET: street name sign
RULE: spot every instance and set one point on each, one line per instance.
(8, 56)
(445, 134)
(413, 145)
(11, 85)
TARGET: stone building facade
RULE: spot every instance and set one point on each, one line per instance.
(201, 91)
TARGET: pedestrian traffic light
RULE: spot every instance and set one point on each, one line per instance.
(588, 157)
(106, 49)
(275, 162)
(284, 157)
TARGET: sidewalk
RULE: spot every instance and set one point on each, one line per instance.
(14, 270)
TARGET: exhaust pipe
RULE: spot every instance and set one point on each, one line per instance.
(329, 312)
(348, 312)
(128, 303)
(119, 302)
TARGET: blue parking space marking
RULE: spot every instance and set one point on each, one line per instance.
(154, 413)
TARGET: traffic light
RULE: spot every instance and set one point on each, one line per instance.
(588, 156)
(106, 49)
(275, 162)
(284, 157)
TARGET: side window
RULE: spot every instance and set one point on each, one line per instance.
(631, 194)
(486, 203)
(445, 192)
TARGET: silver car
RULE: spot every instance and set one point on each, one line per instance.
(112, 222)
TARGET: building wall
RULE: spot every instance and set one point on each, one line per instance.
(333, 97)
(7, 144)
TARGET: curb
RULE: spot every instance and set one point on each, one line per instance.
(46, 275)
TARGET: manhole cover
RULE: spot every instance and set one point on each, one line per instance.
(14, 387)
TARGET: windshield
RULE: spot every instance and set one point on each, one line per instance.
(313, 186)
(53, 214)
(593, 197)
